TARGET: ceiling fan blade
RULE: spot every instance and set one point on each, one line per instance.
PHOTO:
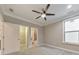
(48, 5)
(49, 14)
(43, 10)
(36, 11)
(37, 17)
(45, 18)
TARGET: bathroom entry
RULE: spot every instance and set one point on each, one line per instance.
(23, 38)
(34, 36)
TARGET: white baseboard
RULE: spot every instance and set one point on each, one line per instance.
(40, 44)
(73, 51)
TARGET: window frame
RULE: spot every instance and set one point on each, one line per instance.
(68, 32)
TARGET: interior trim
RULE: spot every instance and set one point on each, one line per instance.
(21, 18)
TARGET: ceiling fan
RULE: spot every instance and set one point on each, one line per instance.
(44, 13)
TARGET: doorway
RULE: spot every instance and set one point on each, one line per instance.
(23, 38)
(34, 36)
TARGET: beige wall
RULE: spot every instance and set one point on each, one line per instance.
(54, 35)
(20, 22)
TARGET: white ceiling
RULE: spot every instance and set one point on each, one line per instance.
(24, 11)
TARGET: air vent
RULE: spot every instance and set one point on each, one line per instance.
(11, 10)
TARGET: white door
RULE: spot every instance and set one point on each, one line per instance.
(11, 38)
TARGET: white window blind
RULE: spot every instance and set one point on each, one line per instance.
(72, 30)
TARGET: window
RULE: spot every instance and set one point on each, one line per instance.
(72, 31)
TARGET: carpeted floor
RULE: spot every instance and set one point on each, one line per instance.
(43, 51)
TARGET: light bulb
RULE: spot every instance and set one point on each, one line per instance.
(43, 15)
(69, 6)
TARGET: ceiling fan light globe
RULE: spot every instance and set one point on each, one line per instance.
(43, 15)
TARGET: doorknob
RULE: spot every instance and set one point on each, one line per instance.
(18, 39)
